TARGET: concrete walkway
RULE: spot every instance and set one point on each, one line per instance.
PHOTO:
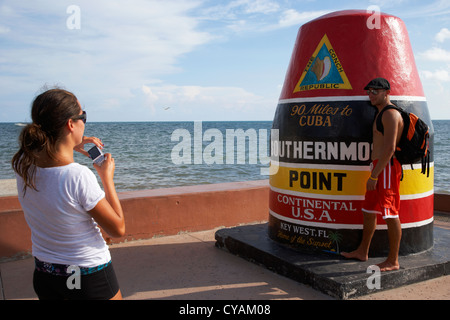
(189, 266)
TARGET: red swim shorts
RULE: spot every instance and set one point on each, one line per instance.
(385, 199)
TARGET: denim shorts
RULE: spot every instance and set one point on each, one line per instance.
(57, 282)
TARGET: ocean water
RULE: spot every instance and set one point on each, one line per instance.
(151, 155)
(441, 156)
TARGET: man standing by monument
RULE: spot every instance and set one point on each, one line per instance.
(382, 188)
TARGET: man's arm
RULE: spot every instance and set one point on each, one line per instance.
(390, 119)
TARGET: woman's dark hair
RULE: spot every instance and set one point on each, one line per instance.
(50, 112)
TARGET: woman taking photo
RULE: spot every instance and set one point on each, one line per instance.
(63, 202)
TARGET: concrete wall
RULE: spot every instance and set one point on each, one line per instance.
(160, 212)
(442, 202)
(163, 212)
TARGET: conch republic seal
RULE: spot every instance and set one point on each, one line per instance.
(321, 154)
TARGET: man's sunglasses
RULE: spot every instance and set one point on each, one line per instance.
(82, 116)
(373, 91)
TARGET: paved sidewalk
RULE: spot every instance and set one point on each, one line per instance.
(189, 266)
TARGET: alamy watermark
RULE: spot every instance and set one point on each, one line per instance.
(374, 280)
(74, 20)
(215, 147)
(374, 21)
(73, 281)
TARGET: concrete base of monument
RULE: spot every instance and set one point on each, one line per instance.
(333, 274)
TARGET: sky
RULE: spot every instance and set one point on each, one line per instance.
(185, 60)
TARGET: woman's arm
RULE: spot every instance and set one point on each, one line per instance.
(108, 211)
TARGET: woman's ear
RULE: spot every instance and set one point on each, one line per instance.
(70, 125)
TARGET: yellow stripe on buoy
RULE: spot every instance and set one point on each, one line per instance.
(415, 182)
(336, 181)
(342, 180)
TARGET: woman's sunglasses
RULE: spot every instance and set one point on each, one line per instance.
(82, 116)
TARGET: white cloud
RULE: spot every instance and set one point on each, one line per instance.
(155, 30)
(292, 17)
(258, 15)
(438, 75)
(235, 8)
(437, 8)
(436, 54)
(4, 29)
(228, 12)
(118, 48)
(212, 102)
(437, 93)
(260, 6)
(238, 26)
(175, 96)
(442, 35)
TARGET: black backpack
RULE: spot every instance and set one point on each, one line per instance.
(414, 142)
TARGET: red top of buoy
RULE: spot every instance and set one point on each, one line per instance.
(339, 53)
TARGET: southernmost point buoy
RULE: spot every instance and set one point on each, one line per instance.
(322, 154)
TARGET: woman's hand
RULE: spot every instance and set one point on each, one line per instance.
(80, 148)
(108, 212)
(106, 169)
